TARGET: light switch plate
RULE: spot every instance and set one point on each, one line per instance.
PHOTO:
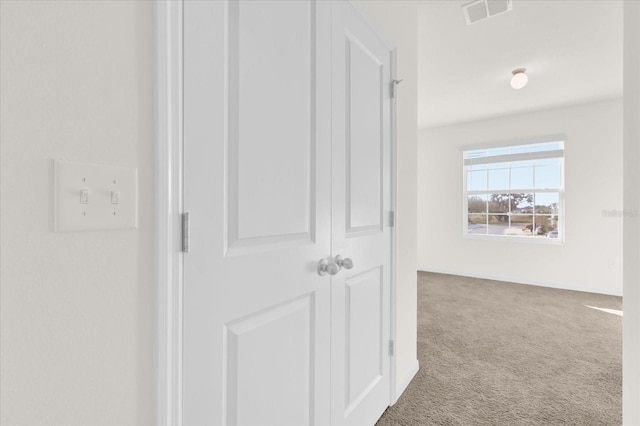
(94, 197)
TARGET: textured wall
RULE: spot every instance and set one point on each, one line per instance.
(76, 308)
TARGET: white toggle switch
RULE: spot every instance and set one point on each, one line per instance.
(91, 197)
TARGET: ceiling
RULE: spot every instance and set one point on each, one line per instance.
(572, 51)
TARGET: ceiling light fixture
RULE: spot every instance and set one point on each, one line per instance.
(519, 79)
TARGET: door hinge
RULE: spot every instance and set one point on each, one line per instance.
(392, 219)
(185, 232)
(392, 347)
(394, 88)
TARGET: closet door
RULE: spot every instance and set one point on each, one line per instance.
(257, 188)
(361, 197)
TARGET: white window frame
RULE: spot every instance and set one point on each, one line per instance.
(561, 193)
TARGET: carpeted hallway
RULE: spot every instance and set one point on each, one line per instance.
(495, 353)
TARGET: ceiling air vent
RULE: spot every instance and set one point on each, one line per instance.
(480, 10)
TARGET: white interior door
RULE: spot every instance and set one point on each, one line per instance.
(286, 161)
(361, 197)
(257, 187)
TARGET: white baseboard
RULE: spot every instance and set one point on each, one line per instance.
(519, 281)
(401, 385)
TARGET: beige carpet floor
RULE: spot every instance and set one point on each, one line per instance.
(496, 353)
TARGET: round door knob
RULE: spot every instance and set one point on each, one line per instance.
(325, 267)
(345, 263)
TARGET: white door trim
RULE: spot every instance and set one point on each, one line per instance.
(168, 194)
(394, 208)
(168, 209)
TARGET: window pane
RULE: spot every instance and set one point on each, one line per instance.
(522, 148)
(521, 225)
(500, 165)
(477, 224)
(499, 151)
(499, 203)
(553, 224)
(477, 203)
(548, 162)
(549, 146)
(498, 224)
(524, 163)
(497, 219)
(522, 203)
(498, 179)
(545, 224)
(478, 167)
(548, 177)
(521, 177)
(547, 203)
(476, 180)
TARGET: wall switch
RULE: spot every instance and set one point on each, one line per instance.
(84, 196)
(94, 197)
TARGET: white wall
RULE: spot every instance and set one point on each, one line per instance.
(631, 325)
(76, 308)
(399, 20)
(591, 257)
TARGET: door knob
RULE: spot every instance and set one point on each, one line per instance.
(345, 263)
(325, 267)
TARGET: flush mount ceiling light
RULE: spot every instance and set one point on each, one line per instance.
(519, 79)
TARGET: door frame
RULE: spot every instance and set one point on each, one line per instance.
(168, 206)
(168, 209)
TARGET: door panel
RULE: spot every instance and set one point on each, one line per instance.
(257, 99)
(364, 105)
(364, 334)
(283, 371)
(271, 54)
(361, 194)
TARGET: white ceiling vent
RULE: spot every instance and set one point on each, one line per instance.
(480, 10)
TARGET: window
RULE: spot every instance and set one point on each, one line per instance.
(515, 192)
